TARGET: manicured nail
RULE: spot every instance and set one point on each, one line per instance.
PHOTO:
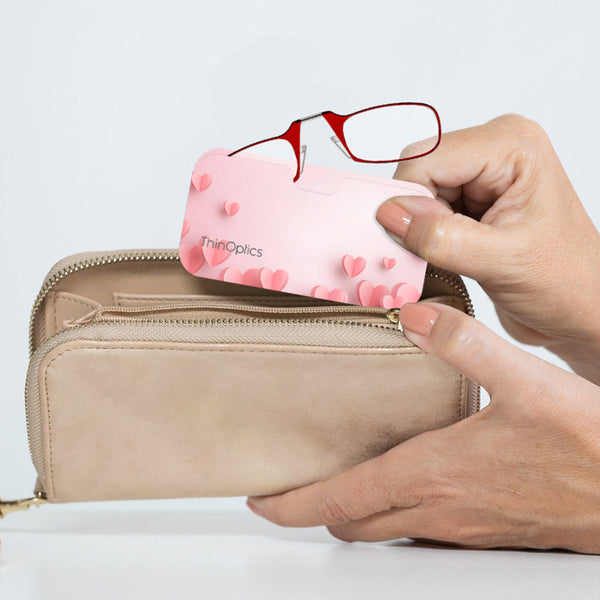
(250, 504)
(418, 318)
(393, 217)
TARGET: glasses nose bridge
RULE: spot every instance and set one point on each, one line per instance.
(316, 116)
(311, 117)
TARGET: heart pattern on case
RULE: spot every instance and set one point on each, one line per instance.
(273, 280)
(388, 262)
(320, 291)
(251, 278)
(353, 266)
(369, 294)
(216, 255)
(232, 275)
(185, 228)
(191, 258)
(201, 181)
(231, 207)
(401, 294)
(264, 278)
(407, 290)
(389, 301)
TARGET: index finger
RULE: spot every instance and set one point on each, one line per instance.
(477, 164)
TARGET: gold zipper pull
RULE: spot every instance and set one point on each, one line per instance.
(393, 315)
(8, 506)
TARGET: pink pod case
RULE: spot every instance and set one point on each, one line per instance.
(247, 222)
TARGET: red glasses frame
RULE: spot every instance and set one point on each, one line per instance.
(336, 122)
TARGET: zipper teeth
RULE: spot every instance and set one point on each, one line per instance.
(106, 313)
(173, 255)
(234, 321)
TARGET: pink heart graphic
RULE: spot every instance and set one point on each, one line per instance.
(368, 294)
(388, 262)
(251, 277)
(273, 280)
(408, 291)
(191, 258)
(364, 290)
(216, 255)
(231, 207)
(201, 181)
(378, 293)
(353, 266)
(389, 301)
(231, 274)
(320, 291)
(185, 228)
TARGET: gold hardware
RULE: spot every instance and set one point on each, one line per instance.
(393, 316)
(8, 506)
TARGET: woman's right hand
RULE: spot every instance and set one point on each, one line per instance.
(509, 218)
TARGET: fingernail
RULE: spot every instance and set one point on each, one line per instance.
(418, 318)
(252, 506)
(394, 217)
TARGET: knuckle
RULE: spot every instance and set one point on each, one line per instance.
(509, 118)
(430, 241)
(523, 128)
(459, 336)
(439, 240)
(329, 511)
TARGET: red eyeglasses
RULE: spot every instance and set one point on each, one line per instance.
(372, 135)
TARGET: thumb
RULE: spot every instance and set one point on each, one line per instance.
(465, 344)
(452, 241)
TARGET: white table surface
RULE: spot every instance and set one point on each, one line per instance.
(66, 551)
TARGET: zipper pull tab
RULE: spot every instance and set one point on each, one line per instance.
(8, 506)
(392, 315)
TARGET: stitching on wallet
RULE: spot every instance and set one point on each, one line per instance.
(403, 351)
(77, 300)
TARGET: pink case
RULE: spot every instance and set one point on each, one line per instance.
(247, 222)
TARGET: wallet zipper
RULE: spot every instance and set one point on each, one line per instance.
(60, 272)
(91, 260)
(120, 313)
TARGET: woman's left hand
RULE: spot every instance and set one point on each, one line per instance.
(523, 472)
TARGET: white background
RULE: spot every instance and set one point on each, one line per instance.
(105, 106)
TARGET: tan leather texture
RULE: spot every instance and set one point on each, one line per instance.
(136, 409)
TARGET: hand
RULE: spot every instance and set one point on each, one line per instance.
(523, 472)
(509, 218)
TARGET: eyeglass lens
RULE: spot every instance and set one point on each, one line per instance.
(382, 133)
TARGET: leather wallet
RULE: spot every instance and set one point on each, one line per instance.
(145, 381)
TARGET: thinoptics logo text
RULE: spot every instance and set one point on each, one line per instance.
(231, 246)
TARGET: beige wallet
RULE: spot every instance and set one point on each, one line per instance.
(147, 382)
